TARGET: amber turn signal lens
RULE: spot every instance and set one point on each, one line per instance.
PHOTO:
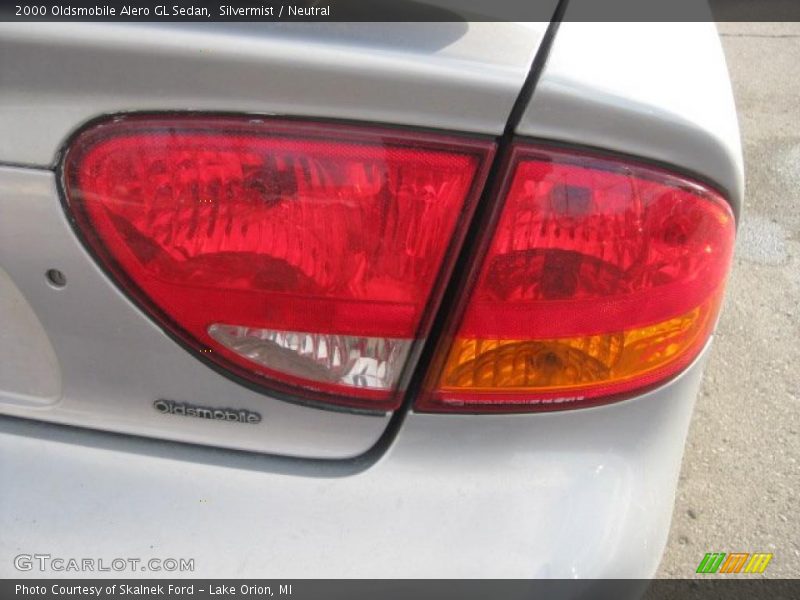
(560, 370)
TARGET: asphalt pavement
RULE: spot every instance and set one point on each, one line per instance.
(738, 489)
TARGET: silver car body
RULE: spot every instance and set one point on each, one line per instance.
(96, 472)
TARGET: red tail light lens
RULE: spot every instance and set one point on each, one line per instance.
(601, 278)
(299, 256)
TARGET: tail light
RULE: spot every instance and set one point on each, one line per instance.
(600, 278)
(300, 257)
(308, 259)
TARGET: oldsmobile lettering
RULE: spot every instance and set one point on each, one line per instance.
(184, 409)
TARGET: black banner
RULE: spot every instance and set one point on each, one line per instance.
(398, 10)
(416, 589)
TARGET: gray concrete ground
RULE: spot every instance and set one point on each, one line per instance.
(740, 481)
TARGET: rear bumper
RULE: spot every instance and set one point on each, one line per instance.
(586, 493)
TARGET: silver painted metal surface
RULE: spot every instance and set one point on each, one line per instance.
(455, 76)
(584, 493)
(29, 371)
(116, 363)
(656, 90)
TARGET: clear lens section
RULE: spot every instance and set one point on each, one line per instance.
(360, 362)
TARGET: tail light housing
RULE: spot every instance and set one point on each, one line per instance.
(300, 257)
(308, 259)
(598, 277)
